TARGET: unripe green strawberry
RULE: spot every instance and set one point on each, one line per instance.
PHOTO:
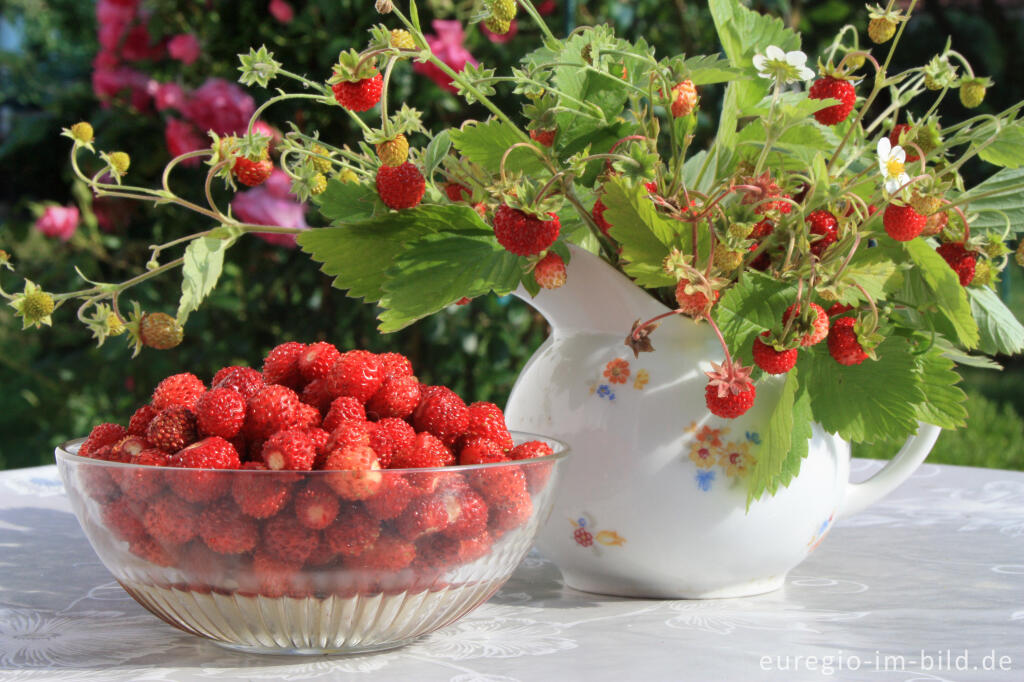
(160, 331)
(881, 30)
(82, 132)
(402, 39)
(36, 306)
(119, 161)
(1018, 256)
(318, 184)
(496, 25)
(726, 259)
(740, 230)
(984, 275)
(684, 99)
(505, 10)
(394, 152)
(972, 92)
(321, 164)
(925, 205)
(347, 175)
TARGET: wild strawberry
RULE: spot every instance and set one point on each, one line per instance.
(543, 137)
(402, 39)
(316, 506)
(288, 540)
(393, 152)
(124, 517)
(833, 88)
(220, 412)
(259, 495)
(825, 225)
(350, 432)
(149, 549)
(101, 435)
(475, 548)
(486, 420)
(290, 449)
(357, 471)
(505, 10)
(881, 29)
(510, 512)
(902, 223)
(396, 397)
(727, 259)
(269, 576)
(960, 259)
(837, 309)
(390, 436)
(442, 413)
(762, 229)
(434, 554)
(352, 533)
(127, 448)
(843, 345)
(729, 392)
(814, 324)
(342, 409)
(178, 389)
(394, 365)
(480, 451)
(388, 553)
(537, 474)
(694, 302)
(272, 409)
(550, 271)
(316, 394)
(400, 186)
(355, 373)
(391, 498)
(456, 192)
(498, 483)
(322, 555)
(145, 483)
(171, 520)
(684, 99)
(160, 331)
(531, 450)
(471, 518)
(245, 380)
(306, 417)
(139, 422)
(172, 429)
(424, 515)
(226, 530)
(773, 202)
(972, 91)
(771, 360)
(252, 173)
(524, 234)
(426, 451)
(281, 366)
(316, 360)
(894, 138)
(598, 214)
(206, 455)
(360, 95)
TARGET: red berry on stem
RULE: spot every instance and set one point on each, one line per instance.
(524, 234)
(960, 259)
(902, 223)
(400, 186)
(833, 88)
(773, 361)
(843, 345)
(359, 95)
(818, 328)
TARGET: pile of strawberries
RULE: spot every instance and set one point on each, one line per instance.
(273, 478)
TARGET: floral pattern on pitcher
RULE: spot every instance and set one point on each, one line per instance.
(710, 449)
(617, 372)
(585, 535)
(822, 531)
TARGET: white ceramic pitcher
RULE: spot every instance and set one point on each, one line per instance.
(653, 501)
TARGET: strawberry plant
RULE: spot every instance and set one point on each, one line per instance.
(820, 211)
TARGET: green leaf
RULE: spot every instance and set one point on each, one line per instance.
(871, 401)
(645, 236)
(439, 269)
(1007, 149)
(943, 289)
(346, 202)
(1000, 330)
(944, 401)
(1005, 208)
(753, 305)
(875, 271)
(486, 143)
(800, 143)
(744, 32)
(203, 262)
(691, 172)
(438, 148)
(707, 69)
(777, 440)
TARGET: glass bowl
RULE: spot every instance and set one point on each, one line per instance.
(222, 554)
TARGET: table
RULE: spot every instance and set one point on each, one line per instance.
(926, 585)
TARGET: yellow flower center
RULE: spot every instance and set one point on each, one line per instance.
(894, 168)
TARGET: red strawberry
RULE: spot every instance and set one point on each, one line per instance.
(357, 470)
(837, 309)
(486, 420)
(101, 435)
(252, 173)
(171, 521)
(524, 234)
(281, 366)
(902, 223)
(394, 365)
(290, 449)
(779, 205)
(894, 138)
(537, 474)
(472, 549)
(273, 409)
(400, 187)
(391, 498)
(260, 495)
(960, 259)
(318, 437)
(773, 361)
(152, 551)
(424, 515)
(543, 137)
(269, 575)
(391, 435)
(220, 412)
(843, 345)
(457, 192)
(396, 397)
(343, 409)
(307, 417)
(356, 373)
(695, 304)
(762, 229)
(316, 394)
(350, 432)
(442, 413)
(316, 506)
(824, 224)
(550, 271)
(124, 517)
(531, 450)
(322, 555)
(833, 88)
(471, 518)
(480, 451)
(816, 330)
(388, 553)
(730, 405)
(139, 422)
(245, 380)
(359, 95)
(226, 530)
(498, 483)
(426, 451)
(172, 429)
(126, 448)
(144, 484)
(203, 486)
(352, 533)
(598, 214)
(317, 359)
(509, 512)
(285, 539)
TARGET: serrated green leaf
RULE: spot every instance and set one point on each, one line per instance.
(945, 291)
(875, 271)
(438, 148)
(744, 32)
(871, 401)
(1007, 149)
(1001, 332)
(348, 202)
(753, 305)
(486, 143)
(203, 262)
(776, 440)
(707, 69)
(944, 404)
(1005, 207)
(645, 236)
(799, 144)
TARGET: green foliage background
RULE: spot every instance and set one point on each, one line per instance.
(54, 383)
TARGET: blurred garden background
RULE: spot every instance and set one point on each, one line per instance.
(151, 74)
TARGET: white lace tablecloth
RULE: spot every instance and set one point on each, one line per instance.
(926, 585)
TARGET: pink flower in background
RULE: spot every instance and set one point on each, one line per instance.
(107, 82)
(264, 128)
(184, 47)
(167, 95)
(447, 45)
(138, 45)
(58, 221)
(272, 203)
(112, 213)
(281, 10)
(500, 38)
(547, 7)
(219, 106)
(182, 137)
(113, 19)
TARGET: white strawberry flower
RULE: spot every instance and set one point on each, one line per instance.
(892, 164)
(781, 66)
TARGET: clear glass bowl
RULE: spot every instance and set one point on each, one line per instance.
(202, 549)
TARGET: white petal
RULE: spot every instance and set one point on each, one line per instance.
(898, 154)
(759, 60)
(903, 179)
(892, 184)
(775, 53)
(806, 74)
(796, 58)
(883, 168)
(765, 74)
(884, 147)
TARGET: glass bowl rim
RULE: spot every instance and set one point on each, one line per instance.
(561, 451)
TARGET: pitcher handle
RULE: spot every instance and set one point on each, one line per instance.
(898, 469)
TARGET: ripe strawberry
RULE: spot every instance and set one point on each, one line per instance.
(524, 234)
(543, 137)
(498, 483)
(480, 451)
(824, 224)
(509, 512)
(316, 394)
(358, 471)
(259, 495)
(400, 186)
(475, 548)
(149, 549)
(245, 380)
(456, 192)
(816, 330)
(393, 152)
(434, 554)
(426, 451)
(124, 517)
(171, 520)
(178, 389)
(902, 223)
(270, 576)
(837, 309)
(307, 417)
(486, 420)
(394, 364)
(252, 173)
(960, 259)
(285, 539)
(172, 429)
(352, 533)
(471, 518)
(160, 331)
(356, 373)
(101, 435)
(290, 449)
(684, 99)
(598, 214)
(359, 95)
(206, 455)
(773, 361)
(273, 409)
(316, 506)
(729, 404)
(694, 303)
(442, 413)
(390, 436)
(843, 345)
(778, 204)
(350, 432)
(322, 555)
(391, 498)
(281, 366)
(424, 515)
(144, 483)
(762, 229)
(139, 422)
(127, 448)
(98, 484)
(316, 360)
(226, 530)
(833, 88)
(342, 409)
(220, 412)
(550, 271)
(894, 138)
(388, 553)
(396, 397)
(537, 474)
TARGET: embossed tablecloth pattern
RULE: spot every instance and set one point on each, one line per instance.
(926, 585)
